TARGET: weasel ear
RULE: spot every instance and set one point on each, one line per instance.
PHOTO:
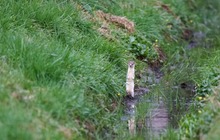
(133, 63)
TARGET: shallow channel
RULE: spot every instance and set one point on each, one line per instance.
(163, 112)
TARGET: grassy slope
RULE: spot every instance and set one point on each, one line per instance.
(201, 65)
(209, 70)
(51, 51)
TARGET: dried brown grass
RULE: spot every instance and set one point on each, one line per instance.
(116, 20)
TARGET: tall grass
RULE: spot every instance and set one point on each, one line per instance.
(56, 72)
(200, 65)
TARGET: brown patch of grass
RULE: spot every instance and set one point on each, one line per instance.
(161, 54)
(104, 21)
(67, 132)
(167, 9)
(116, 20)
(161, 58)
(105, 31)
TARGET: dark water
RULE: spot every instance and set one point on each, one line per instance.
(163, 112)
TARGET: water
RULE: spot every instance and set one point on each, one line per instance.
(163, 112)
(158, 118)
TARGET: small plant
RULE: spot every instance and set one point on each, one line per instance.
(212, 79)
(142, 48)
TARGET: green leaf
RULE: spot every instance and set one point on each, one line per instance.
(132, 39)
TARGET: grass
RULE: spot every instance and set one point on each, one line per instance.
(50, 53)
(200, 66)
(61, 79)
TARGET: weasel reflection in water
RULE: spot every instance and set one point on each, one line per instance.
(130, 79)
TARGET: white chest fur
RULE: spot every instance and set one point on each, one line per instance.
(130, 79)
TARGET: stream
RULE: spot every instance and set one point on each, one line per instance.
(164, 110)
(163, 104)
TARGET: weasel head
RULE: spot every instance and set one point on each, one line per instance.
(131, 64)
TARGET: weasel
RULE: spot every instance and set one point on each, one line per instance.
(130, 79)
